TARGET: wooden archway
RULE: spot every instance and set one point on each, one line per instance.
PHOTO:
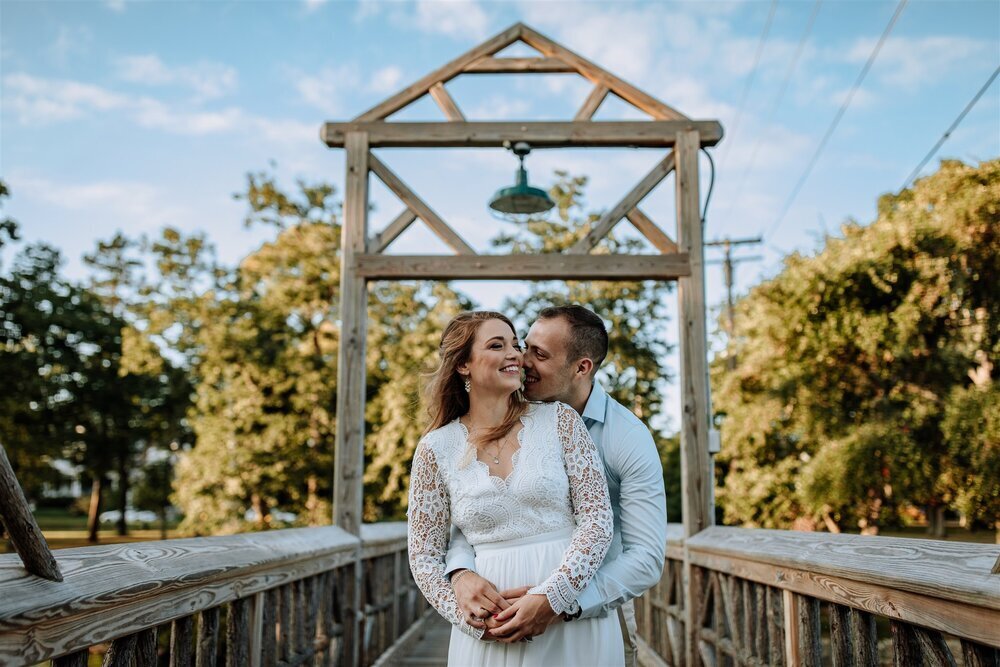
(680, 259)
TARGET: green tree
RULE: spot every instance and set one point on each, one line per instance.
(847, 358)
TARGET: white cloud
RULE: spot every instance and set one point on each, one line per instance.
(39, 101)
(327, 89)
(910, 62)
(499, 108)
(386, 79)
(115, 5)
(208, 80)
(462, 19)
(69, 41)
(313, 5)
(142, 206)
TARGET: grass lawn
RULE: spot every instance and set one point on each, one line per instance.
(63, 529)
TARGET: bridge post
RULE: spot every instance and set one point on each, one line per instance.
(349, 454)
(696, 464)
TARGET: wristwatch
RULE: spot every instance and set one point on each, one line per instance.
(572, 612)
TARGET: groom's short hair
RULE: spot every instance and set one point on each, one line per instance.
(588, 337)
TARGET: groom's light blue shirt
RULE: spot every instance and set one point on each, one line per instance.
(635, 481)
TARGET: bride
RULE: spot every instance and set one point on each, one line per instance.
(524, 484)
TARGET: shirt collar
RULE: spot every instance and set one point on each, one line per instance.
(597, 404)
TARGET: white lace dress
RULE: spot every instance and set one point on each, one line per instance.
(548, 525)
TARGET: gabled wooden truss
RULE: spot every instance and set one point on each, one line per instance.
(679, 258)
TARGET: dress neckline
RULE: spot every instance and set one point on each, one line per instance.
(504, 481)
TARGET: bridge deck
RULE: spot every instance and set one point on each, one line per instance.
(431, 650)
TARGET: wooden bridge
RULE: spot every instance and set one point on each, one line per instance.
(344, 595)
(284, 598)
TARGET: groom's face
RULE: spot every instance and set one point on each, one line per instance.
(548, 374)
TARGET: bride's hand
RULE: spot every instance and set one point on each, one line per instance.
(478, 599)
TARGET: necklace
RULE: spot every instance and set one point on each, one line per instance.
(500, 448)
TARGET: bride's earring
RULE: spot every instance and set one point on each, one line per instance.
(468, 385)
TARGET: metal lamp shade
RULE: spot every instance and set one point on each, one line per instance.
(521, 198)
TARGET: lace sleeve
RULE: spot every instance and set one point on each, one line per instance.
(428, 521)
(588, 492)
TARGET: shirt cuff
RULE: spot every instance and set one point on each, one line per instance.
(458, 561)
(591, 604)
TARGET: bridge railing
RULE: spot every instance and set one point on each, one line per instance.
(771, 597)
(283, 597)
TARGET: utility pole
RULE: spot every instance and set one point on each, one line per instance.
(728, 270)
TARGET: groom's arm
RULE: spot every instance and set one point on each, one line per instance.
(461, 555)
(643, 517)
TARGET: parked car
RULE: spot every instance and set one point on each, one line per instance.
(132, 515)
(277, 515)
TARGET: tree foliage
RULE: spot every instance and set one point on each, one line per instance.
(850, 361)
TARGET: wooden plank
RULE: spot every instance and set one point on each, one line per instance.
(592, 103)
(22, 529)
(651, 231)
(956, 571)
(442, 74)
(492, 65)
(905, 648)
(864, 638)
(547, 134)
(284, 630)
(626, 204)
(75, 659)
(790, 608)
(399, 224)
(810, 634)
(956, 618)
(238, 633)
(349, 454)
(775, 617)
(145, 650)
(208, 638)
(182, 642)
(418, 206)
(625, 90)
(977, 655)
(696, 465)
(122, 651)
(268, 641)
(446, 102)
(840, 637)
(521, 267)
(257, 603)
(762, 627)
(933, 649)
(114, 590)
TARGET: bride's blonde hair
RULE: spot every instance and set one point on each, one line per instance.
(444, 392)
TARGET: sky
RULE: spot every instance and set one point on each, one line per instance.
(129, 115)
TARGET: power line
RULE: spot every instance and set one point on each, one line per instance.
(944, 137)
(774, 107)
(753, 70)
(836, 119)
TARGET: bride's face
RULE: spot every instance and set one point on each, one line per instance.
(494, 365)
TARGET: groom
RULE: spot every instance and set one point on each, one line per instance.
(565, 347)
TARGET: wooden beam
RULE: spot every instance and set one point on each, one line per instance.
(598, 75)
(349, 456)
(627, 203)
(25, 535)
(956, 618)
(548, 134)
(442, 74)
(446, 102)
(651, 231)
(381, 241)
(489, 65)
(521, 267)
(592, 102)
(417, 205)
(696, 465)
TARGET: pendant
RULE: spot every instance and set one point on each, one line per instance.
(496, 461)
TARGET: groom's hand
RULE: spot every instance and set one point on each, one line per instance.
(477, 599)
(527, 617)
